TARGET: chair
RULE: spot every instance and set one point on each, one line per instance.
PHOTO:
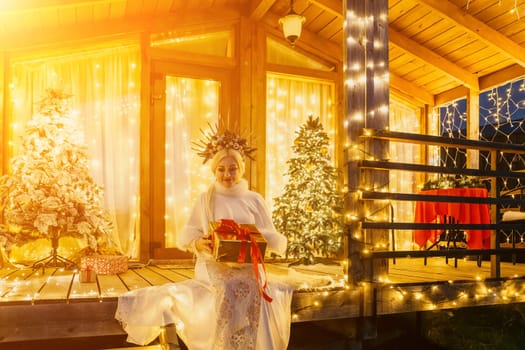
(515, 236)
(457, 237)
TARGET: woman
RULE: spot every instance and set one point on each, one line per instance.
(222, 307)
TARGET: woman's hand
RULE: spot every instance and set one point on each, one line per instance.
(203, 245)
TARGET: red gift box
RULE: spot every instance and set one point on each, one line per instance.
(232, 242)
(87, 275)
(105, 264)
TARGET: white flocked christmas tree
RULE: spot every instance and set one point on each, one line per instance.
(309, 212)
(49, 194)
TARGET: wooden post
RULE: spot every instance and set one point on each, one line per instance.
(146, 217)
(473, 127)
(495, 268)
(252, 96)
(366, 49)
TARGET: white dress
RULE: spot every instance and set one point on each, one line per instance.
(222, 307)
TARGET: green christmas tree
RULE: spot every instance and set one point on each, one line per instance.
(309, 212)
(50, 193)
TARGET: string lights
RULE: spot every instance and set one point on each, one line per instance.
(362, 70)
(108, 108)
(289, 103)
(186, 99)
(502, 118)
(505, 99)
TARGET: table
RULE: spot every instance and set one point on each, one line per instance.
(463, 213)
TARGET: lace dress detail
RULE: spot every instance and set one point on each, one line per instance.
(238, 305)
(229, 306)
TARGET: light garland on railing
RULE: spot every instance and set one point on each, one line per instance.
(444, 182)
(452, 294)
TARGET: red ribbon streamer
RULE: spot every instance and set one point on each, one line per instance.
(243, 234)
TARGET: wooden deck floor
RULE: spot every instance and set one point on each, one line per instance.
(33, 286)
(438, 269)
(52, 303)
(29, 286)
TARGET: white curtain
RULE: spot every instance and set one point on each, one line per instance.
(192, 105)
(105, 89)
(290, 100)
(404, 119)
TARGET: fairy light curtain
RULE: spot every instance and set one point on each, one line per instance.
(403, 119)
(106, 103)
(191, 104)
(502, 116)
(453, 124)
(290, 100)
(501, 119)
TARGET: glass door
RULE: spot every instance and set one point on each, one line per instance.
(184, 105)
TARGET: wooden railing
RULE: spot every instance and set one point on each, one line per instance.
(495, 198)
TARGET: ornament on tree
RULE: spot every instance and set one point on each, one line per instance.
(309, 212)
(49, 196)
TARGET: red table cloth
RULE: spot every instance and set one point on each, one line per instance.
(463, 213)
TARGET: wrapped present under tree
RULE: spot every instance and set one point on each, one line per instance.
(105, 264)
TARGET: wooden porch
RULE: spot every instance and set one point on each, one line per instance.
(53, 304)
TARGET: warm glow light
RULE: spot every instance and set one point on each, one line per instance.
(292, 25)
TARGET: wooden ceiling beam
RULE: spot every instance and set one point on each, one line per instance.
(324, 57)
(66, 35)
(480, 30)
(409, 89)
(31, 5)
(334, 7)
(451, 95)
(259, 8)
(414, 48)
(501, 77)
(81, 32)
(485, 82)
(404, 99)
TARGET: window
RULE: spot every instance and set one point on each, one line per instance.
(290, 100)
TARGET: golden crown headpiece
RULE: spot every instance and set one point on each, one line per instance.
(216, 140)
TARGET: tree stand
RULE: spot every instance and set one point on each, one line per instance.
(54, 260)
